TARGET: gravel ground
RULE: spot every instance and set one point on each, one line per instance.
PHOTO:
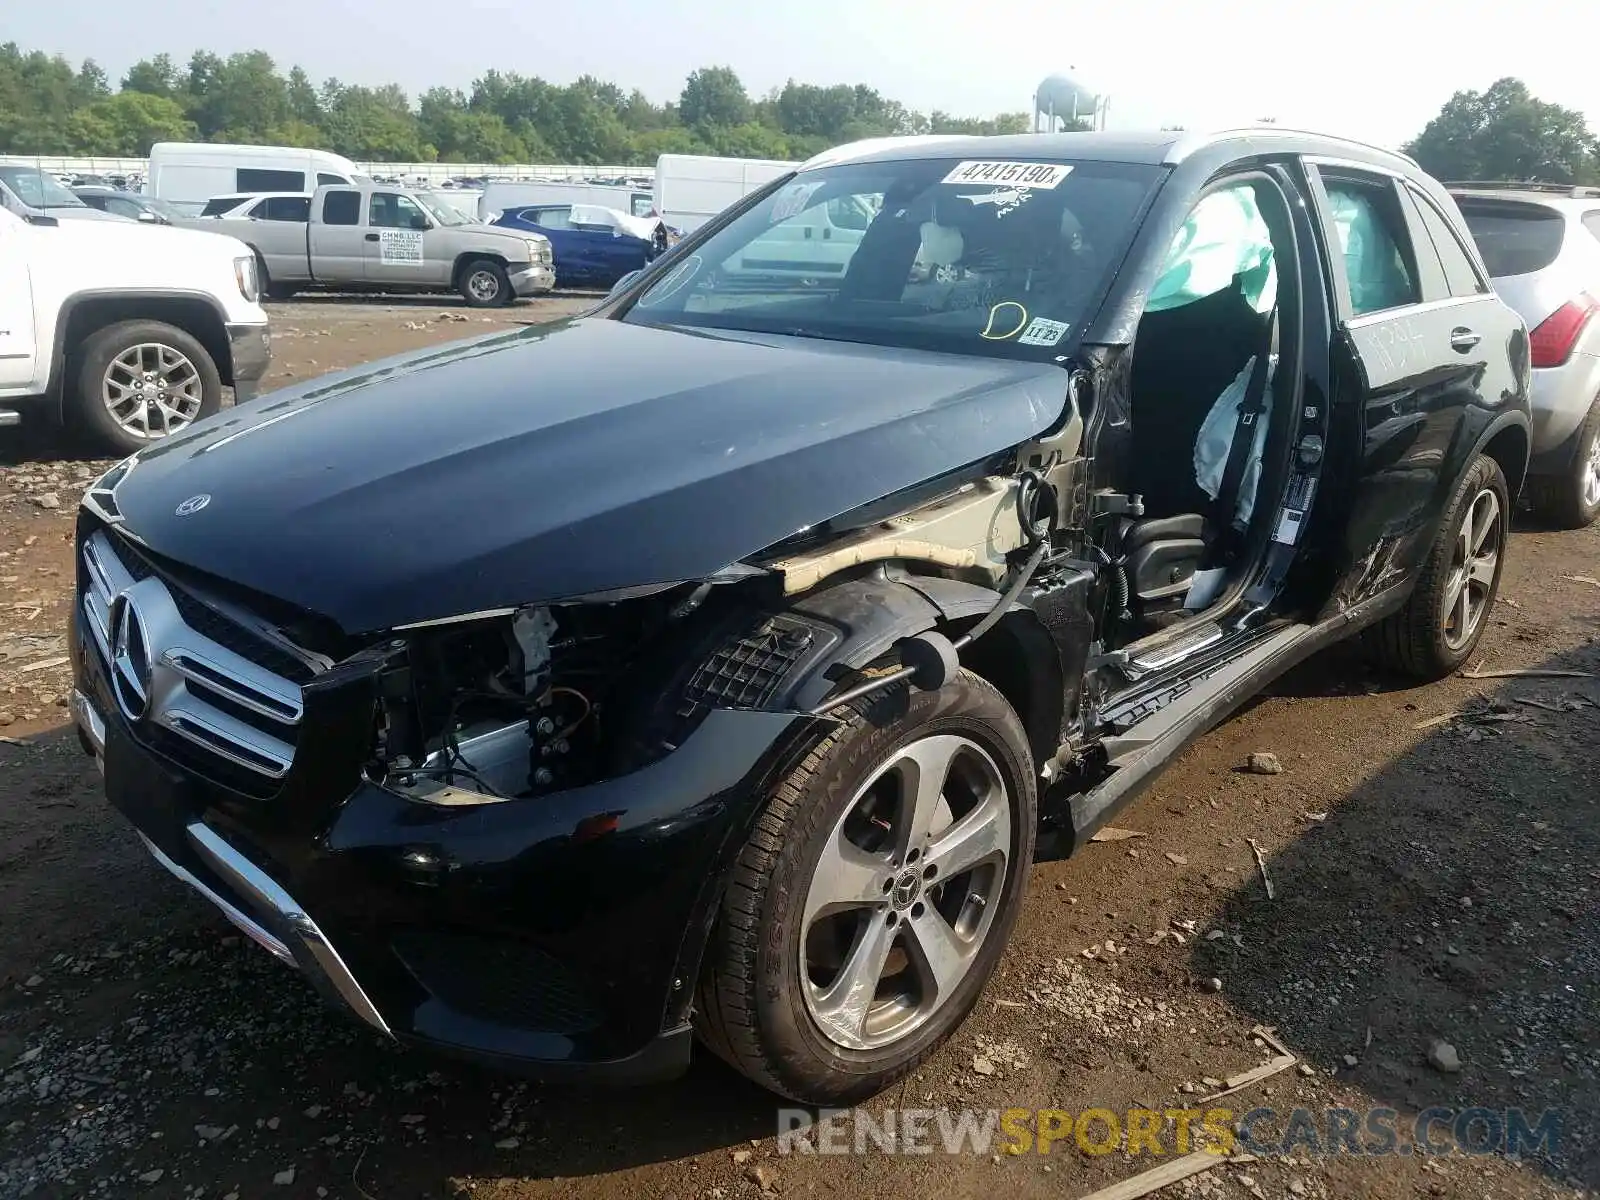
(1435, 877)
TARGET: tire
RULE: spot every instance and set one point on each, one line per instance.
(1572, 500)
(270, 288)
(105, 379)
(485, 284)
(778, 1018)
(1429, 638)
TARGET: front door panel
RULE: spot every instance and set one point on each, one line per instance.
(18, 351)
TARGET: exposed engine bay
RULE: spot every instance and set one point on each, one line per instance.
(515, 705)
(552, 697)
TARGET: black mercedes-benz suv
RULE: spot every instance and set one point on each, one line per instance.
(716, 664)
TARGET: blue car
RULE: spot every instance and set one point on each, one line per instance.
(593, 246)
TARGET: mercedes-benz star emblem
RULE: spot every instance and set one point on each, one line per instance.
(193, 504)
(130, 660)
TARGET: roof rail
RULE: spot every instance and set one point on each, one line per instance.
(1576, 191)
(1202, 136)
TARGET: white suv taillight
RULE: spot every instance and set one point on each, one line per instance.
(1558, 333)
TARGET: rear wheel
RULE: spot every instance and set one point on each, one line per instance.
(1449, 610)
(1572, 500)
(139, 381)
(875, 895)
(485, 284)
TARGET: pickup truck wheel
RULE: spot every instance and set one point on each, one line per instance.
(1447, 613)
(863, 917)
(270, 288)
(139, 381)
(484, 284)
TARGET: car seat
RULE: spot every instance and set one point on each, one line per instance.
(1183, 359)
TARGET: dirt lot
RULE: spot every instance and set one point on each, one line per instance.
(1433, 878)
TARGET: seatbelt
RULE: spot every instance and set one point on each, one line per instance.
(1251, 409)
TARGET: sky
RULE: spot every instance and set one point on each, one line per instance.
(1376, 70)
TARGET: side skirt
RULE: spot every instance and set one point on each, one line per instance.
(1139, 755)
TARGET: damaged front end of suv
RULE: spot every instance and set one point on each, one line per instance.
(503, 828)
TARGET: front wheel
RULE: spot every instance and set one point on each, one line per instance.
(875, 894)
(485, 284)
(139, 381)
(1449, 609)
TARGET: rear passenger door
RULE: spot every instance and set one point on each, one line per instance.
(338, 248)
(279, 234)
(570, 250)
(1418, 370)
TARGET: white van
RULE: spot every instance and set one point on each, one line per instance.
(690, 189)
(193, 172)
(498, 196)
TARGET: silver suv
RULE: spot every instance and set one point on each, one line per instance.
(1541, 243)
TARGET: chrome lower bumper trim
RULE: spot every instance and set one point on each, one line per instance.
(257, 934)
(262, 890)
(252, 884)
(89, 721)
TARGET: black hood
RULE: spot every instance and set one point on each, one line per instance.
(562, 460)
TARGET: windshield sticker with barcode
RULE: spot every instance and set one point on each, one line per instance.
(1043, 332)
(1011, 174)
(791, 201)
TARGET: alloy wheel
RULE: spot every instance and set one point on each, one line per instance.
(1474, 561)
(484, 285)
(152, 390)
(905, 892)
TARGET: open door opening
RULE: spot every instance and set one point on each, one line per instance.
(1212, 406)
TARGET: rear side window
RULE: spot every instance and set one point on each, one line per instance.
(549, 218)
(1591, 222)
(218, 205)
(1514, 239)
(286, 208)
(1379, 264)
(255, 179)
(341, 208)
(1459, 272)
(324, 179)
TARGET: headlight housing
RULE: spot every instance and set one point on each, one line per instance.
(244, 274)
(539, 250)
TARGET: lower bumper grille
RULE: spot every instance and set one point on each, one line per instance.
(509, 983)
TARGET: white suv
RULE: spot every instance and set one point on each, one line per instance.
(1541, 243)
(128, 332)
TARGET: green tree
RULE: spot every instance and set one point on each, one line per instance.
(1505, 133)
(153, 76)
(237, 100)
(714, 96)
(48, 106)
(301, 93)
(127, 124)
(374, 124)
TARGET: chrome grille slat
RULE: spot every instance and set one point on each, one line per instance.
(233, 740)
(190, 675)
(247, 688)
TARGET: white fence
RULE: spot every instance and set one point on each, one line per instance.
(433, 172)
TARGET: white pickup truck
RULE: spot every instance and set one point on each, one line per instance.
(125, 332)
(373, 237)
